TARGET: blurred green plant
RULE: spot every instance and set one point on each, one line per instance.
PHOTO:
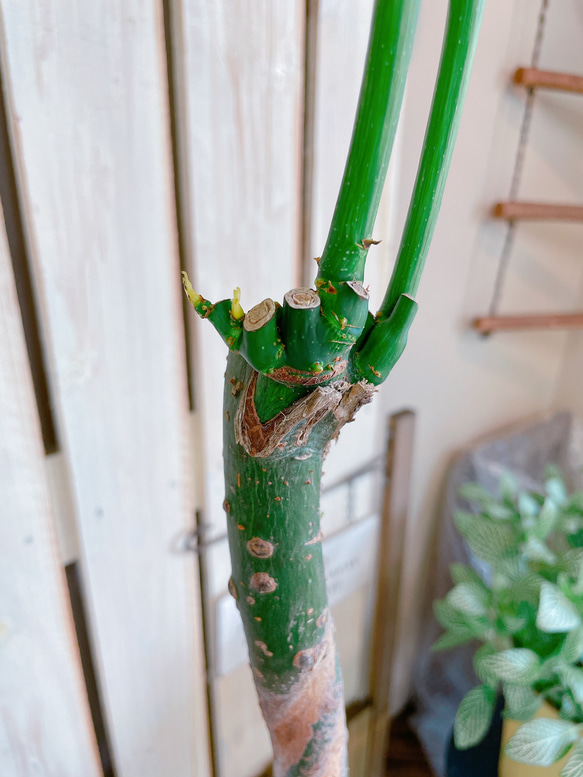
(528, 617)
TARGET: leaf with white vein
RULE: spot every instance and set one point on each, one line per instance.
(476, 494)
(489, 541)
(469, 598)
(474, 716)
(568, 707)
(452, 639)
(527, 506)
(508, 487)
(517, 665)
(556, 613)
(521, 702)
(541, 741)
(555, 488)
(573, 678)
(547, 519)
(462, 573)
(454, 620)
(537, 550)
(572, 648)
(574, 766)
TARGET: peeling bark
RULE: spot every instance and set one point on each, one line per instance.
(307, 724)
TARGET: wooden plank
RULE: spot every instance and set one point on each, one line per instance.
(241, 102)
(537, 211)
(399, 464)
(89, 118)
(489, 324)
(45, 724)
(239, 77)
(358, 735)
(532, 78)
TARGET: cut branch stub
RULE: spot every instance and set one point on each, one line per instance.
(230, 329)
(222, 316)
(262, 346)
(344, 310)
(303, 335)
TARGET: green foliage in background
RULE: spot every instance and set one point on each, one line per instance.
(529, 617)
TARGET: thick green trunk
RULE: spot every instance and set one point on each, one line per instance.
(272, 484)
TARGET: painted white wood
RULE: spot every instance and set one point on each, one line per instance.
(240, 101)
(89, 116)
(45, 725)
(241, 79)
(565, 160)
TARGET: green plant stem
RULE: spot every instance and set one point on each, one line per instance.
(460, 42)
(387, 61)
(272, 506)
(378, 355)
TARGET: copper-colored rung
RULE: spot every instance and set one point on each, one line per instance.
(537, 211)
(548, 79)
(488, 324)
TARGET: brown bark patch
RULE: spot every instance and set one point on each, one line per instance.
(262, 439)
(316, 698)
(305, 378)
(262, 583)
(260, 548)
(358, 395)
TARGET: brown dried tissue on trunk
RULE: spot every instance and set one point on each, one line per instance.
(316, 700)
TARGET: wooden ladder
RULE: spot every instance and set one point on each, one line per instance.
(512, 211)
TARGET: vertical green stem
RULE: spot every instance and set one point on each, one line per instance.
(381, 95)
(272, 506)
(461, 38)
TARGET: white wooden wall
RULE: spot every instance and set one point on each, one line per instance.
(44, 721)
(87, 94)
(88, 111)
